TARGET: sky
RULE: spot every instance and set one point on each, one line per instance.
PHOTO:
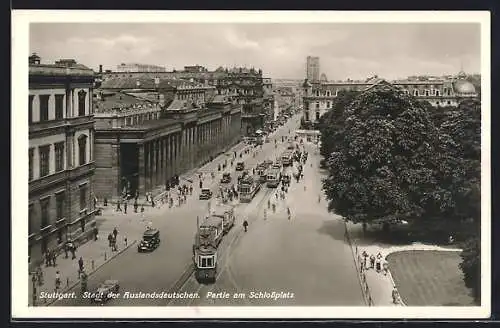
(356, 51)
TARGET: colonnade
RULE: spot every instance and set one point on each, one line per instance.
(162, 158)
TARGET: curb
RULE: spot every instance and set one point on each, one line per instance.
(91, 273)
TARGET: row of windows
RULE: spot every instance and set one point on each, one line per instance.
(60, 199)
(427, 93)
(44, 157)
(59, 106)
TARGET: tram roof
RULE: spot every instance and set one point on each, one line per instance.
(211, 221)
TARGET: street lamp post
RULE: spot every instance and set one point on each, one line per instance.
(33, 281)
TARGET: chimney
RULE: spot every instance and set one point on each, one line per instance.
(100, 69)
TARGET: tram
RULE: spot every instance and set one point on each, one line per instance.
(262, 170)
(273, 177)
(226, 212)
(248, 186)
(287, 158)
(205, 263)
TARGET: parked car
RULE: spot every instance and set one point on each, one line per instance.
(240, 166)
(226, 178)
(205, 194)
(102, 294)
(150, 241)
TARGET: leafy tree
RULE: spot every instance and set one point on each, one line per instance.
(382, 167)
(471, 266)
(331, 124)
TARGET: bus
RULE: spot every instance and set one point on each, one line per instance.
(273, 177)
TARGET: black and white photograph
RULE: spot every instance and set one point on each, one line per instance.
(235, 164)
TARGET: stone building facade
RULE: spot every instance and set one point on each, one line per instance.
(440, 92)
(243, 86)
(60, 155)
(147, 134)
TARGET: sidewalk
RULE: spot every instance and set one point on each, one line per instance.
(380, 286)
(97, 253)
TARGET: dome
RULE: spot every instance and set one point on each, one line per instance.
(462, 86)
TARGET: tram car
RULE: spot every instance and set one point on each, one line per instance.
(273, 177)
(210, 232)
(262, 170)
(248, 186)
(205, 263)
(226, 212)
(287, 158)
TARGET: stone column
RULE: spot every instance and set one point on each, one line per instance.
(142, 170)
(147, 168)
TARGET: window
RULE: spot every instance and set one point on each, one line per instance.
(44, 205)
(415, 92)
(60, 205)
(44, 153)
(81, 103)
(83, 197)
(59, 107)
(328, 104)
(438, 93)
(427, 93)
(328, 93)
(449, 102)
(30, 109)
(59, 152)
(31, 155)
(44, 108)
(31, 218)
(82, 149)
(317, 105)
(317, 116)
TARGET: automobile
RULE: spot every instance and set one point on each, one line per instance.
(240, 166)
(150, 241)
(285, 179)
(205, 194)
(102, 294)
(226, 178)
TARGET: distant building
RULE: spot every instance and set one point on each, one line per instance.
(60, 155)
(312, 68)
(195, 69)
(439, 92)
(133, 67)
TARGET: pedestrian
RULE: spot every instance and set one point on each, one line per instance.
(105, 201)
(125, 208)
(365, 259)
(125, 240)
(245, 225)
(378, 262)
(395, 295)
(58, 281)
(190, 189)
(372, 261)
(118, 208)
(110, 239)
(152, 203)
(80, 264)
(54, 257)
(47, 258)
(73, 251)
(66, 250)
(268, 203)
(136, 205)
(289, 213)
(265, 214)
(96, 233)
(115, 232)
(385, 267)
(142, 208)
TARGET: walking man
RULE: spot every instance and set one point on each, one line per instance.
(80, 265)
(245, 225)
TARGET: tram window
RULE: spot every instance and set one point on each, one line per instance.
(209, 262)
(203, 262)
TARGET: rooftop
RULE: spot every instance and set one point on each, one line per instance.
(121, 101)
(60, 70)
(149, 83)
